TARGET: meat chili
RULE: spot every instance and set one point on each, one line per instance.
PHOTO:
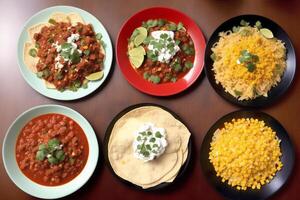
(67, 54)
(51, 149)
(162, 71)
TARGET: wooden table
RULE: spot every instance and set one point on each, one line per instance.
(199, 106)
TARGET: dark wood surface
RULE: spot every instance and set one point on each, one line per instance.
(199, 106)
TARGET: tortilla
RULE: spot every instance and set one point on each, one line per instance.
(59, 17)
(35, 29)
(162, 169)
(74, 18)
(30, 61)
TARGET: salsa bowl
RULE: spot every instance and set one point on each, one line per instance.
(13, 167)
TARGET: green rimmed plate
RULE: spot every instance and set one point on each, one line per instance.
(35, 189)
(37, 83)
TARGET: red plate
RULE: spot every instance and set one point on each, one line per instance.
(162, 89)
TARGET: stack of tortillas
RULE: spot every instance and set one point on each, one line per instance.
(162, 169)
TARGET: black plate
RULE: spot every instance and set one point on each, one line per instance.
(281, 177)
(106, 140)
(287, 77)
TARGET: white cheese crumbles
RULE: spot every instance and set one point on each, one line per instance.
(163, 45)
(150, 142)
(66, 50)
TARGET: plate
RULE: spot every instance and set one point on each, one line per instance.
(161, 186)
(139, 82)
(281, 177)
(27, 185)
(287, 77)
(37, 83)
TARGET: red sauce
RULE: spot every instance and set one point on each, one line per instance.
(71, 75)
(38, 132)
(178, 66)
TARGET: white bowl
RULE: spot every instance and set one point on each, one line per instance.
(27, 185)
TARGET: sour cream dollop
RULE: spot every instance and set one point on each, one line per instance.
(166, 39)
(150, 142)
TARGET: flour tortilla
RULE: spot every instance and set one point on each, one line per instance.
(164, 168)
(59, 17)
(35, 29)
(30, 61)
(74, 18)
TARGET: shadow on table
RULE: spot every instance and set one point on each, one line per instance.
(93, 179)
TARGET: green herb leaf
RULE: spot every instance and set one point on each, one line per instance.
(173, 79)
(152, 140)
(179, 26)
(154, 79)
(235, 29)
(86, 52)
(33, 52)
(172, 27)
(158, 134)
(244, 23)
(66, 45)
(213, 56)
(177, 67)
(40, 155)
(50, 40)
(39, 74)
(164, 36)
(258, 25)
(51, 21)
(58, 75)
(75, 57)
(37, 45)
(71, 161)
(139, 138)
(237, 93)
(148, 147)
(60, 155)
(161, 22)
(53, 160)
(146, 75)
(251, 67)
(188, 64)
(53, 144)
(98, 36)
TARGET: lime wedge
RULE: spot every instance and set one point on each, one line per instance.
(138, 51)
(136, 61)
(139, 39)
(95, 76)
(267, 33)
(142, 31)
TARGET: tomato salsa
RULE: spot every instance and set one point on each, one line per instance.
(161, 51)
(67, 54)
(51, 149)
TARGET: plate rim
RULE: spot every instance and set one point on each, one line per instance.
(251, 103)
(201, 60)
(208, 137)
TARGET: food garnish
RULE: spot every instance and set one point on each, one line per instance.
(168, 51)
(248, 61)
(150, 142)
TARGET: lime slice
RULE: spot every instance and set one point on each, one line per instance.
(136, 61)
(267, 33)
(139, 39)
(143, 31)
(138, 51)
(95, 76)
